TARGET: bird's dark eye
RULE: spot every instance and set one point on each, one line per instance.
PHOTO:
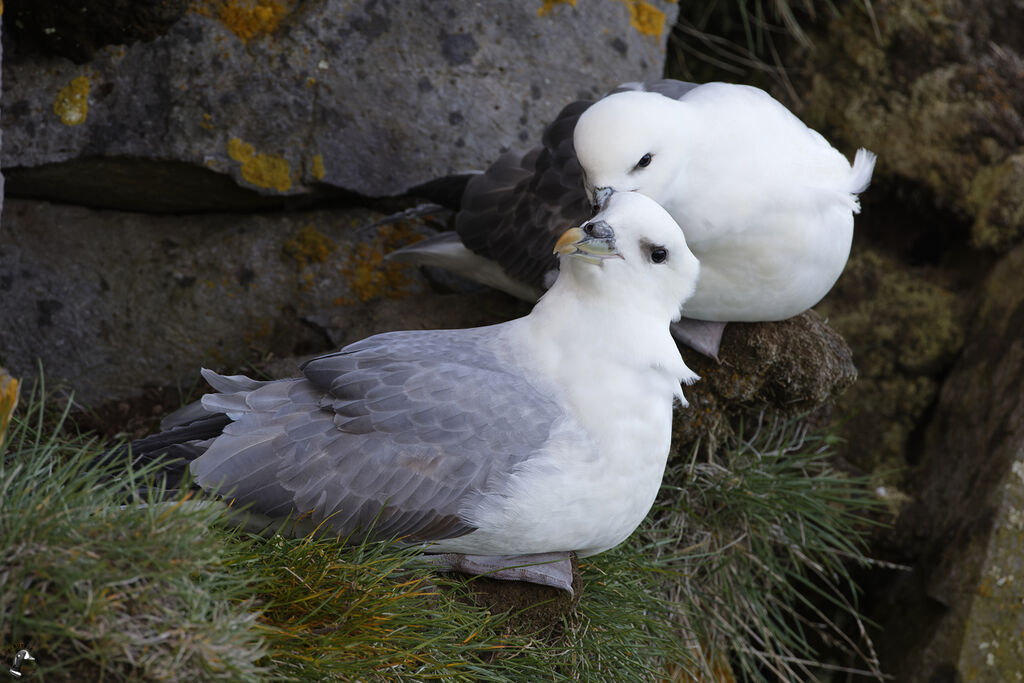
(659, 254)
(645, 161)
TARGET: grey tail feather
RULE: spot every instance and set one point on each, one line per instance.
(173, 449)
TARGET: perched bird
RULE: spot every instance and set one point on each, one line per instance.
(767, 203)
(495, 447)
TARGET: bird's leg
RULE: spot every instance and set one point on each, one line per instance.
(546, 569)
(700, 335)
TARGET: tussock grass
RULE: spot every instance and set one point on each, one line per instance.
(741, 570)
(748, 40)
(96, 591)
(759, 541)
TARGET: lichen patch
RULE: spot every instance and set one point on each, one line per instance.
(72, 102)
(262, 170)
(646, 18)
(247, 19)
(548, 5)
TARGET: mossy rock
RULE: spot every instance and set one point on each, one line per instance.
(905, 330)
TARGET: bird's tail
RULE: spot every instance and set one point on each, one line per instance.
(167, 454)
(863, 167)
(860, 177)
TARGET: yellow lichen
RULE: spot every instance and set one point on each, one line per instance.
(309, 246)
(247, 19)
(646, 18)
(368, 275)
(549, 5)
(8, 401)
(206, 123)
(318, 170)
(263, 170)
(72, 103)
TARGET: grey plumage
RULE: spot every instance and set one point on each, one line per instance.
(515, 211)
(397, 432)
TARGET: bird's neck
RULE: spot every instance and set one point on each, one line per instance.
(607, 329)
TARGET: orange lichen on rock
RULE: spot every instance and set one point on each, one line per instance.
(8, 401)
(247, 19)
(549, 5)
(317, 168)
(309, 246)
(263, 170)
(72, 103)
(368, 275)
(646, 18)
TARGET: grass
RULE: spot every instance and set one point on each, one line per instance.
(746, 40)
(91, 589)
(759, 542)
(740, 571)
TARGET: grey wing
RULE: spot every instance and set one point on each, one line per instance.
(516, 210)
(392, 435)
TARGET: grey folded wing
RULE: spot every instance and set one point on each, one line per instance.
(392, 436)
(516, 210)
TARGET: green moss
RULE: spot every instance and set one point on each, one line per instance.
(996, 197)
(904, 331)
(931, 101)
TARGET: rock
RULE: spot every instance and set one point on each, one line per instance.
(789, 367)
(287, 98)
(959, 616)
(905, 330)
(112, 302)
(939, 94)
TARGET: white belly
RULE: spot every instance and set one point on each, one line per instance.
(586, 496)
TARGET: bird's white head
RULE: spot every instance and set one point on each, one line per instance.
(631, 254)
(629, 141)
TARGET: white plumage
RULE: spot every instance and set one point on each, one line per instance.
(546, 434)
(766, 203)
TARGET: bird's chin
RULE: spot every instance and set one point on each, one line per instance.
(589, 258)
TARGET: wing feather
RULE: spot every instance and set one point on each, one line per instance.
(515, 211)
(392, 435)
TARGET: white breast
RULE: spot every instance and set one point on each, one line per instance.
(601, 470)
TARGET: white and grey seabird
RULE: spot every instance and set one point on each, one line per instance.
(494, 446)
(767, 203)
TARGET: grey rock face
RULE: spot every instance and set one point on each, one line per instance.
(284, 98)
(112, 302)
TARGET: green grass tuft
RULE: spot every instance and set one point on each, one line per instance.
(741, 568)
(759, 542)
(91, 589)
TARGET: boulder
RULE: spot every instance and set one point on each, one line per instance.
(958, 615)
(288, 99)
(110, 302)
(791, 367)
